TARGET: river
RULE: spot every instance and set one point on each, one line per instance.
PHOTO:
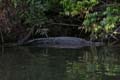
(34, 63)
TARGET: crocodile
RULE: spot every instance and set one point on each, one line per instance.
(61, 42)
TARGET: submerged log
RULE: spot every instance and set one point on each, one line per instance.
(61, 42)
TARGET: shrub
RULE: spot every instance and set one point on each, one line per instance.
(100, 22)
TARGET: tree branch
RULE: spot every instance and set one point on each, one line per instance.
(65, 24)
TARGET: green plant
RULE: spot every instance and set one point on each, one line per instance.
(102, 27)
(100, 23)
(75, 7)
(33, 13)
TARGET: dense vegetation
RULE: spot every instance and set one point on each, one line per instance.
(23, 19)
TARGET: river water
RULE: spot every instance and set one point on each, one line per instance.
(34, 63)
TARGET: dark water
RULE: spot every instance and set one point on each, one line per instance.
(32, 63)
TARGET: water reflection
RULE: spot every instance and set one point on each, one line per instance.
(33, 63)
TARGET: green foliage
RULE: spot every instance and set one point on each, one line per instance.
(75, 7)
(19, 17)
(31, 11)
(102, 27)
(100, 23)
